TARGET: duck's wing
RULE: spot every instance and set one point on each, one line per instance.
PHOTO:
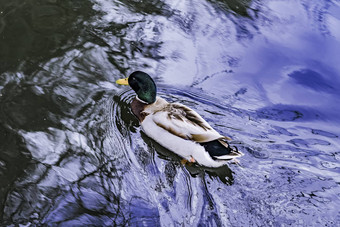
(184, 122)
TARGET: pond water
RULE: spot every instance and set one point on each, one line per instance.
(265, 73)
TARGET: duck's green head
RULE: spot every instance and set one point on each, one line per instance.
(142, 84)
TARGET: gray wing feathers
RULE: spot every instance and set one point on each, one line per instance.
(185, 123)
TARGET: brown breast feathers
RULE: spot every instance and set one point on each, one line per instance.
(137, 109)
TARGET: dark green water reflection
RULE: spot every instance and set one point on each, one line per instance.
(36, 31)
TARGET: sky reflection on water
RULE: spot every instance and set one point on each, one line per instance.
(264, 73)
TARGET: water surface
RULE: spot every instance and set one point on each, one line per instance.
(265, 73)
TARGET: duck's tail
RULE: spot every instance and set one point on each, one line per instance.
(221, 150)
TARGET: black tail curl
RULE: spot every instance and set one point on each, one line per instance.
(220, 147)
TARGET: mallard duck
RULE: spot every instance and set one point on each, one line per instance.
(176, 126)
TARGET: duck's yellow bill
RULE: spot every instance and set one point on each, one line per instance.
(123, 81)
